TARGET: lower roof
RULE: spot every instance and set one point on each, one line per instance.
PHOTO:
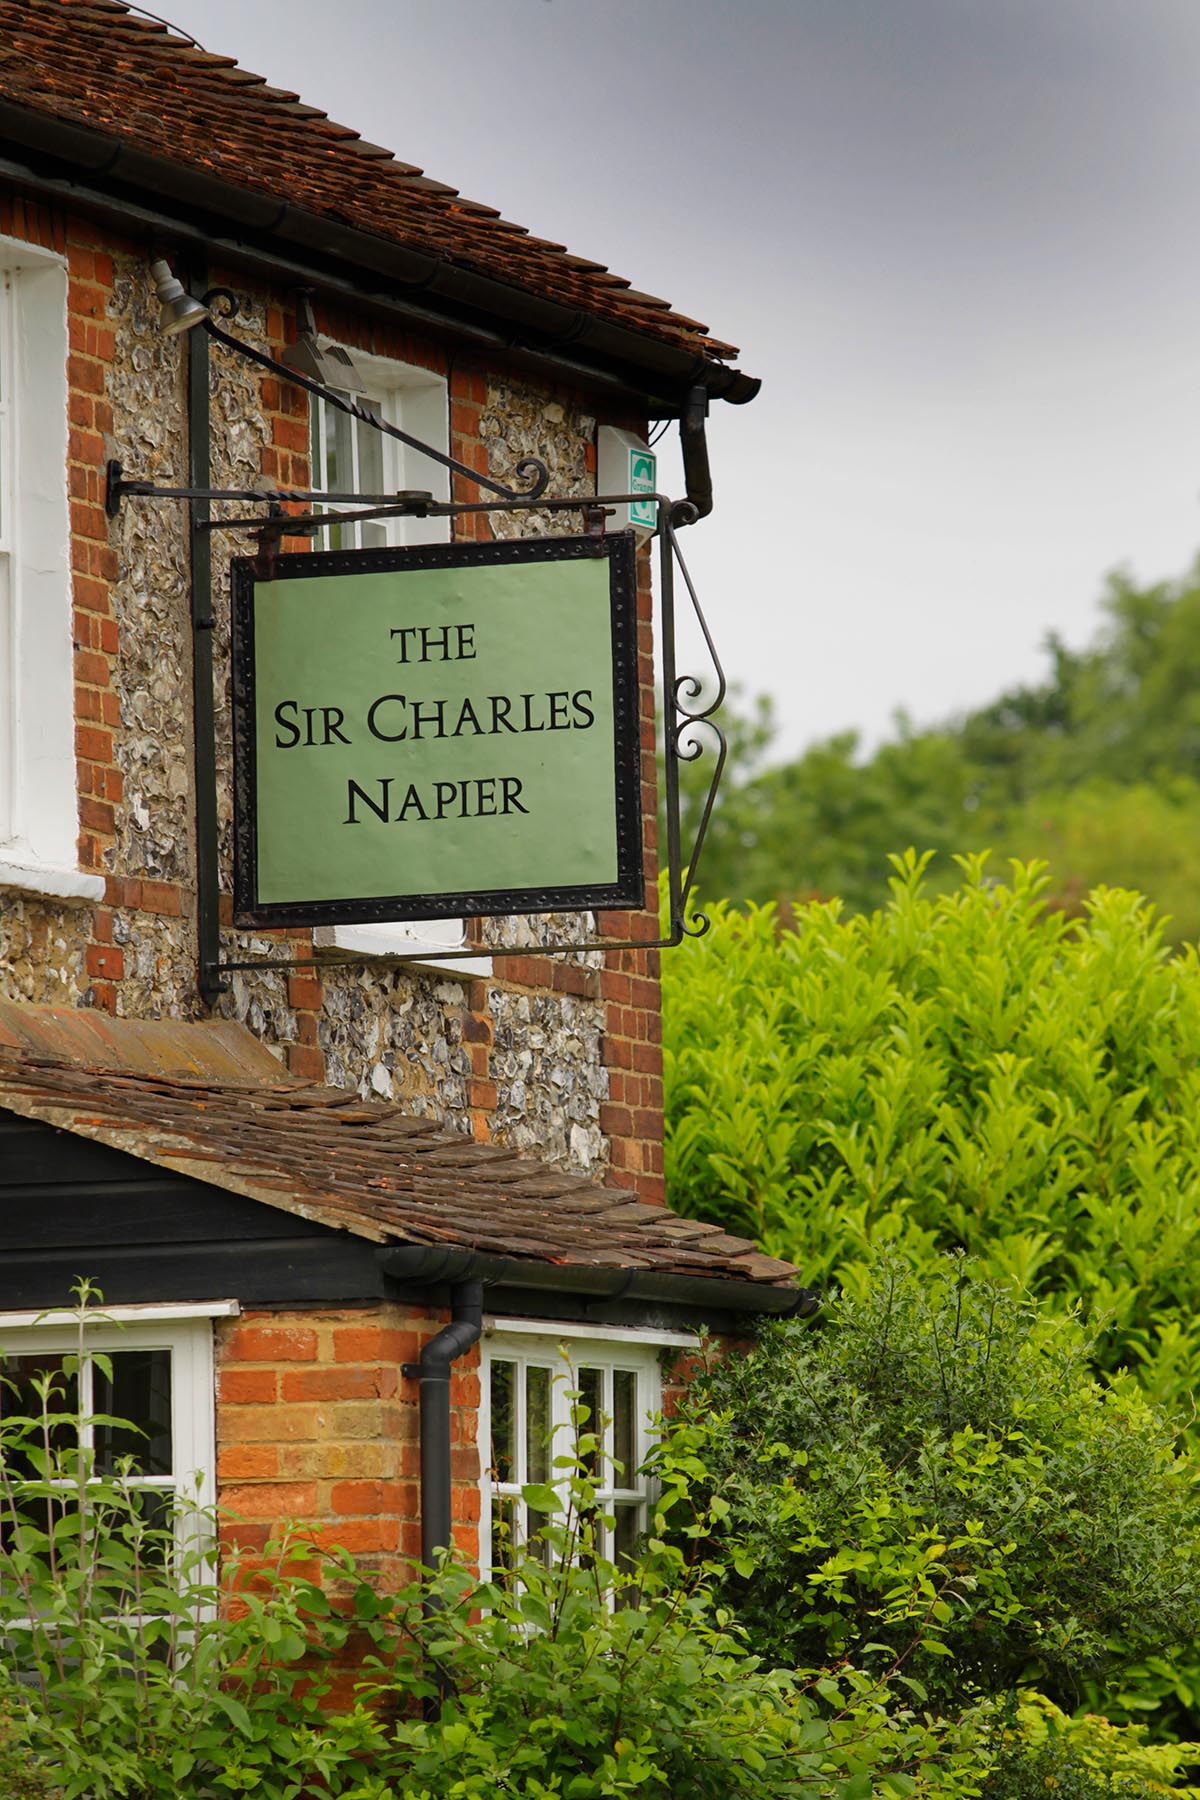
(209, 1101)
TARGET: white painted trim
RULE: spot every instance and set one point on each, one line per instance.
(44, 879)
(43, 823)
(186, 1331)
(136, 1314)
(406, 940)
(597, 1335)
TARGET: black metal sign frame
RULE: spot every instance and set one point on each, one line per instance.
(626, 892)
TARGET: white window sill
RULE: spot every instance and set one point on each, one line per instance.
(48, 882)
(137, 1313)
(412, 943)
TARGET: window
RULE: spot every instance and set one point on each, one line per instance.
(349, 456)
(529, 1377)
(38, 809)
(161, 1382)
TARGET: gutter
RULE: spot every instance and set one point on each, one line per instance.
(428, 1265)
(418, 284)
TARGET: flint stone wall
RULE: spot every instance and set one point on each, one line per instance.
(386, 1029)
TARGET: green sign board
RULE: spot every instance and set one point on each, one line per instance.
(434, 732)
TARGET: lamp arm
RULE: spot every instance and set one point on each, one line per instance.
(531, 467)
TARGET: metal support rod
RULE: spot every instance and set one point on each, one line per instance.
(463, 950)
(532, 466)
(208, 921)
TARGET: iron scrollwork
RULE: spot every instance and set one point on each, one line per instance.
(689, 730)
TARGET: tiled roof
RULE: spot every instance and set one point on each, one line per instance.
(95, 64)
(209, 1102)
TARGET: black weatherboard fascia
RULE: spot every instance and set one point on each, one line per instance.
(70, 1206)
(628, 891)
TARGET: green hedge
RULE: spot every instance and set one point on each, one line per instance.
(965, 1071)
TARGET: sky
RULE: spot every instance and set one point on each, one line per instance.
(957, 239)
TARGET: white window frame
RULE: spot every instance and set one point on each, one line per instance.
(563, 1350)
(39, 812)
(186, 1332)
(418, 401)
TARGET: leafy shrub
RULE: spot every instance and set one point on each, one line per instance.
(934, 1460)
(1034, 1747)
(128, 1673)
(20, 1779)
(583, 1679)
(967, 1071)
(125, 1669)
(1055, 1770)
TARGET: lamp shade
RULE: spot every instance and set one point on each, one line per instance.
(180, 311)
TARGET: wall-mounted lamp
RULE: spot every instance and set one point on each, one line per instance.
(324, 362)
(179, 310)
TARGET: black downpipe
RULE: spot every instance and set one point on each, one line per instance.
(433, 1374)
(694, 444)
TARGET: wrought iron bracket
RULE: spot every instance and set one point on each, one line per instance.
(679, 739)
(682, 712)
(530, 468)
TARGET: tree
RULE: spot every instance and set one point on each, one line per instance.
(1097, 768)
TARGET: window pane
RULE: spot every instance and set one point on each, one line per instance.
(150, 1540)
(535, 1524)
(19, 1398)
(370, 455)
(503, 1422)
(503, 1517)
(316, 411)
(537, 1424)
(339, 454)
(591, 1395)
(625, 1533)
(624, 1426)
(140, 1392)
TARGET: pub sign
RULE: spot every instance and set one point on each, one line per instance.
(442, 731)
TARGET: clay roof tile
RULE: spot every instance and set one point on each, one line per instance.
(210, 1102)
(93, 62)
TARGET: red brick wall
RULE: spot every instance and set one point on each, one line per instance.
(315, 1423)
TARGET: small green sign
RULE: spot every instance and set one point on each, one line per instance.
(446, 730)
(643, 479)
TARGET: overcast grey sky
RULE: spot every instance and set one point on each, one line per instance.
(958, 239)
